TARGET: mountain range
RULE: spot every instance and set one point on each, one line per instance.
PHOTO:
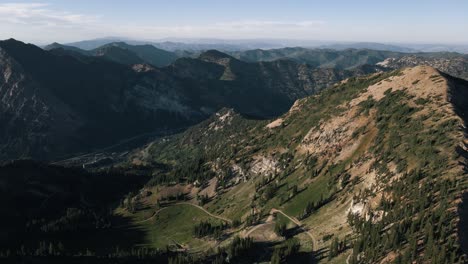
(230, 45)
(63, 101)
(342, 57)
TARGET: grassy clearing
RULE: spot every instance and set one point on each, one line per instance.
(175, 225)
(312, 193)
(233, 204)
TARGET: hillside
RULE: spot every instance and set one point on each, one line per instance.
(371, 170)
(56, 104)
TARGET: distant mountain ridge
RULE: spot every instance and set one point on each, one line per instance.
(56, 45)
(341, 56)
(331, 58)
(232, 45)
(122, 53)
(167, 45)
(369, 45)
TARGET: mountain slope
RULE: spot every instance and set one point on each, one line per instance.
(56, 104)
(27, 115)
(276, 81)
(374, 168)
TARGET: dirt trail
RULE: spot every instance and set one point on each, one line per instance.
(207, 212)
(293, 219)
(269, 220)
(255, 228)
(299, 224)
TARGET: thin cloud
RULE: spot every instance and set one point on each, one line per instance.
(42, 22)
(41, 14)
(272, 23)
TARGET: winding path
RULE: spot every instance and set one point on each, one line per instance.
(269, 220)
(255, 228)
(292, 219)
(300, 225)
(347, 259)
(207, 212)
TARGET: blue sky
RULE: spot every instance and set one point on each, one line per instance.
(410, 21)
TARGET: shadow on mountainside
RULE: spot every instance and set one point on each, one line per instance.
(51, 210)
(463, 224)
(458, 96)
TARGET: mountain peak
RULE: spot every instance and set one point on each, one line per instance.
(22, 51)
(214, 56)
(141, 53)
(11, 42)
(54, 45)
(420, 81)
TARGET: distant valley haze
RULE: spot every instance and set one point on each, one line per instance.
(299, 23)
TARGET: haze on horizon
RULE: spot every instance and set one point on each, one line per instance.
(399, 21)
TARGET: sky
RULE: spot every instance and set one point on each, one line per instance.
(395, 21)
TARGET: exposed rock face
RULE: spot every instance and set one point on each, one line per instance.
(32, 120)
(264, 166)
